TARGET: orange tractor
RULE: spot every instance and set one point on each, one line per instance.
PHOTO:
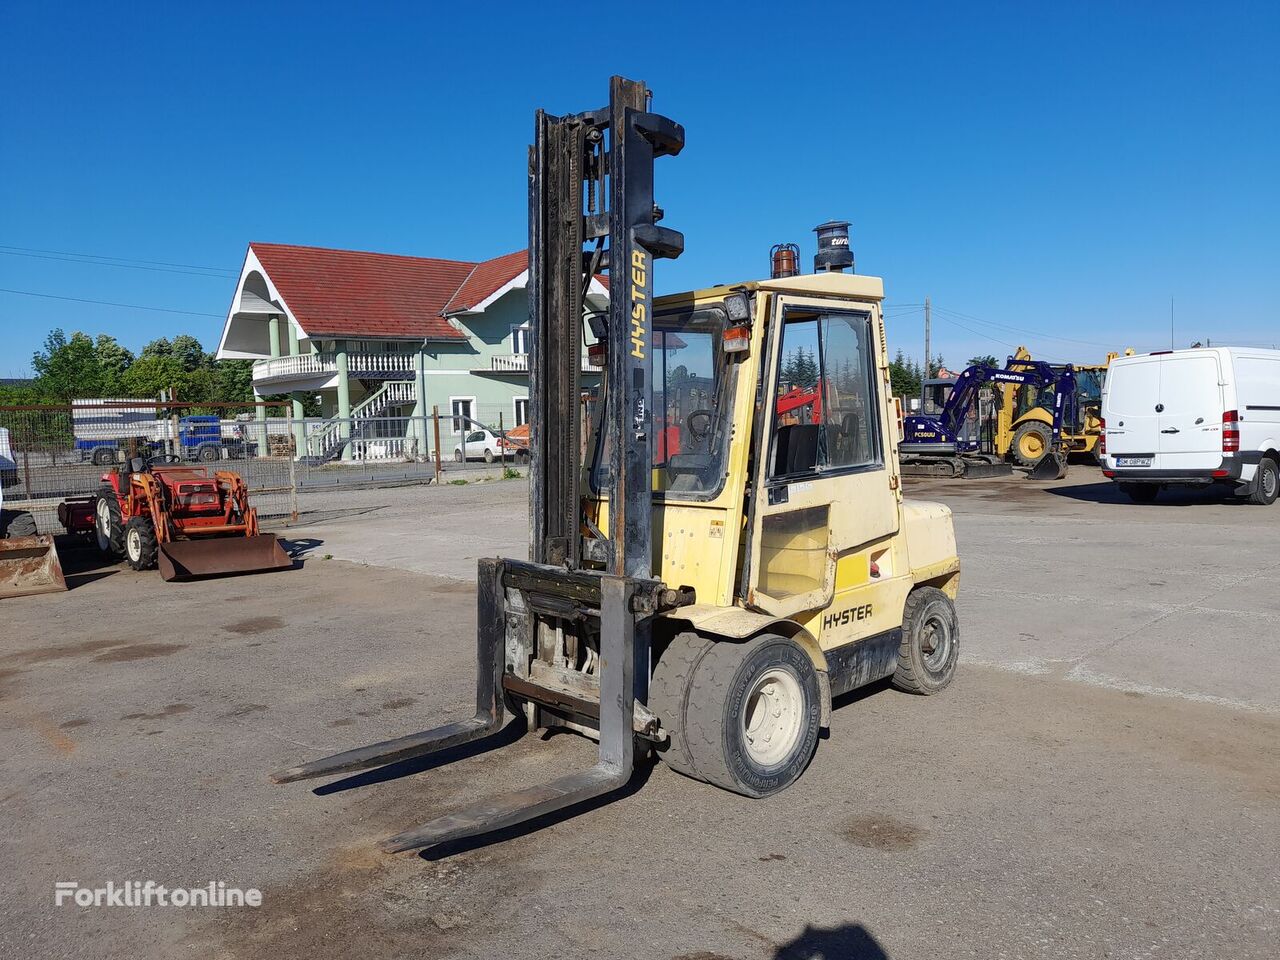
(188, 521)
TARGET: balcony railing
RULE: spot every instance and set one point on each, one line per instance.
(519, 363)
(305, 366)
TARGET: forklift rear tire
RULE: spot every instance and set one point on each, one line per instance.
(751, 715)
(140, 544)
(1141, 492)
(108, 524)
(1031, 442)
(930, 646)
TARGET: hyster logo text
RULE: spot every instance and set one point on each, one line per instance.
(639, 302)
(846, 617)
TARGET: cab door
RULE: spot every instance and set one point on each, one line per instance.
(825, 478)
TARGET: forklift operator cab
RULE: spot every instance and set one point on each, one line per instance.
(828, 551)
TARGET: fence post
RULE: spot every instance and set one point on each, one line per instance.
(435, 421)
(293, 466)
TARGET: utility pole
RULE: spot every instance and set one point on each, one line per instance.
(928, 361)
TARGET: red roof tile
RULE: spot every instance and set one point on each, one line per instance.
(487, 279)
(353, 294)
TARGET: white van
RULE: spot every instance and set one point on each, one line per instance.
(1193, 418)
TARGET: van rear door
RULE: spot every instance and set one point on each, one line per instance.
(1190, 435)
(1133, 423)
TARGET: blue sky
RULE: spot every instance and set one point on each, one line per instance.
(1047, 173)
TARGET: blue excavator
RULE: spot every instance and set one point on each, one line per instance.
(938, 445)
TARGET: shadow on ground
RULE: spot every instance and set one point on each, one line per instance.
(849, 941)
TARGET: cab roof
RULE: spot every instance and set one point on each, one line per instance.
(845, 285)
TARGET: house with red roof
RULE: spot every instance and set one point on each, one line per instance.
(382, 339)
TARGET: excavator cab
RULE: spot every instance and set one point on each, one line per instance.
(733, 550)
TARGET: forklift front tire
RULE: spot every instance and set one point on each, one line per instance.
(751, 715)
(930, 646)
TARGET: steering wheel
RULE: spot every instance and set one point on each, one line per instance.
(707, 419)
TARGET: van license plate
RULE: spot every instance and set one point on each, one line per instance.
(1133, 461)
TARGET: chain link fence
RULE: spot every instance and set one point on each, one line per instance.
(49, 453)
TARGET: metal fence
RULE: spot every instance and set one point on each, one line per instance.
(49, 453)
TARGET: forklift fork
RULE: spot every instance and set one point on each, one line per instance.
(616, 761)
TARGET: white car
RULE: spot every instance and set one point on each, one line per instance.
(478, 444)
(1193, 418)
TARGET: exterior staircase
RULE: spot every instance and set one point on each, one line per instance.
(326, 443)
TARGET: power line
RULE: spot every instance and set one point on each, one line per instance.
(1031, 333)
(129, 266)
(96, 256)
(110, 303)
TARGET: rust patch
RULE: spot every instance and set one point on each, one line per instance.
(399, 703)
(253, 625)
(139, 651)
(171, 710)
(877, 831)
(245, 710)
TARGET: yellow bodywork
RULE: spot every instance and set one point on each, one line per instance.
(836, 563)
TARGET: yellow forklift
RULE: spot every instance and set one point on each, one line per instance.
(1024, 416)
(718, 566)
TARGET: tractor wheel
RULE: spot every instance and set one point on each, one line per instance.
(488, 456)
(669, 695)
(751, 715)
(108, 525)
(1030, 443)
(17, 523)
(140, 546)
(1266, 484)
(930, 643)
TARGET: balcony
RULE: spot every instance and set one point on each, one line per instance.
(309, 366)
(519, 363)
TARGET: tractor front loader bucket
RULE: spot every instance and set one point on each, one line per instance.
(221, 556)
(29, 565)
(617, 697)
(1052, 466)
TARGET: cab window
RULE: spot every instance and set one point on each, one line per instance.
(825, 416)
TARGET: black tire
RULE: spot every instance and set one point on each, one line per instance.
(930, 646)
(209, 452)
(17, 523)
(140, 546)
(1141, 492)
(1266, 485)
(103, 456)
(726, 688)
(457, 455)
(488, 456)
(668, 696)
(1046, 443)
(108, 523)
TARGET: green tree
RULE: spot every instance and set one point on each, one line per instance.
(904, 376)
(67, 367)
(984, 360)
(113, 360)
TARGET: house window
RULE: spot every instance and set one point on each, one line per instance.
(460, 408)
(522, 411)
(520, 340)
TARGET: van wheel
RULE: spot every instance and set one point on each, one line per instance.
(750, 715)
(1266, 486)
(140, 545)
(1141, 492)
(1031, 442)
(930, 646)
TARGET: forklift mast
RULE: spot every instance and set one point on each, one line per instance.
(592, 212)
